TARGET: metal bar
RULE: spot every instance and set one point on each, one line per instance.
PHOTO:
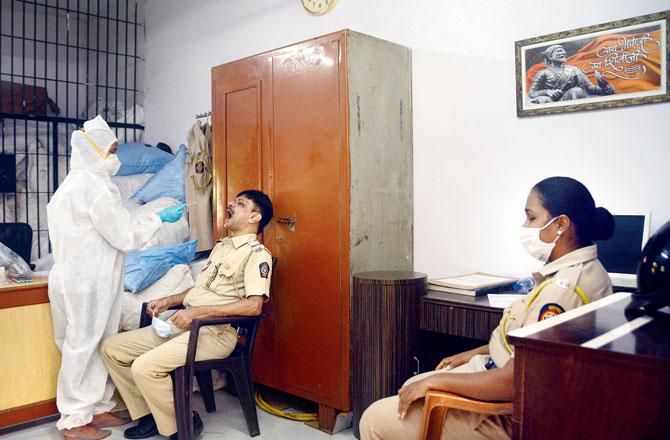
(67, 64)
(54, 152)
(78, 121)
(97, 55)
(37, 131)
(116, 63)
(125, 77)
(106, 59)
(116, 59)
(23, 100)
(2, 142)
(76, 102)
(62, 81)
(88, 61)
(11, 98)
(71, 46)
(41, 192)
(135, 71)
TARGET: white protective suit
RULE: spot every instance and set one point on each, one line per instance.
(89, 228)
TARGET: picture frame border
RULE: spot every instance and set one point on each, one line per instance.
(518, 45)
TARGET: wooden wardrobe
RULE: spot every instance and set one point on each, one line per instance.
(324, 127)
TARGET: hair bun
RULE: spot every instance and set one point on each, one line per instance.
(603, 224)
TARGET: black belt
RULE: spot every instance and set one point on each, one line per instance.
(490, 364)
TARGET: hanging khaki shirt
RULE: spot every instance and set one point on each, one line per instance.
(238, 267)
(577, 268)
(198, 183)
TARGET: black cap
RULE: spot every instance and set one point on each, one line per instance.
(653, 272)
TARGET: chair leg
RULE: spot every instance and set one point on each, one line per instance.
(204, 379)
(230, 387)
(245, 388)
(182, 404)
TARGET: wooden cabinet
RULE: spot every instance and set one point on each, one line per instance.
(324, 127)
(30, 360)
(600, 374)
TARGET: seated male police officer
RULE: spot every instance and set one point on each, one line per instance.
(235, 282)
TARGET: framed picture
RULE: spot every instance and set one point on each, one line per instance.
(608, 65)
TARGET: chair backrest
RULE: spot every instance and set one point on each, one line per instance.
(18, 237)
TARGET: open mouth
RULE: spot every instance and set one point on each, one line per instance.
(229, 212)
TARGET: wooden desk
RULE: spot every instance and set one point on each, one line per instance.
(451, 324)
(458, 315)
(572, 385)
(30, 360)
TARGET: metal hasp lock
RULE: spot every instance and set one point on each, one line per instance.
(289, 222)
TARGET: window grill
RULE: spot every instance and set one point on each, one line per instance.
(62, 62)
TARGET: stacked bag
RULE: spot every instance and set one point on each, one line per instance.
(150, 180)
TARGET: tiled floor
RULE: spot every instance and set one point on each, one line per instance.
(226, 424)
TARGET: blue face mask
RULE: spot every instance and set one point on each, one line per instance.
(162, 328)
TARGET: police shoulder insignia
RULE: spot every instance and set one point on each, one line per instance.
(549, 311)
(265, 269)
(257, 246)
(562, 283)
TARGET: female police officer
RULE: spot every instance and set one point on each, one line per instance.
(561, 222)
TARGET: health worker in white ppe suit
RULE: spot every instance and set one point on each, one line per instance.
(89, 230)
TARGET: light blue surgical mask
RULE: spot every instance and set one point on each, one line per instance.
(162, 328)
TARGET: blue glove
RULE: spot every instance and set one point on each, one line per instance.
(171, 214)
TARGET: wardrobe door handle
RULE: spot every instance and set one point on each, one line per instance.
(289, 222)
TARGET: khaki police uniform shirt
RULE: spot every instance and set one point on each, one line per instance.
(198, 184)
(238, 267)
(577, 268)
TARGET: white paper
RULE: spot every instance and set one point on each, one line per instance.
(502, 300)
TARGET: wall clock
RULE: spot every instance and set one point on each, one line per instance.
(318, 7)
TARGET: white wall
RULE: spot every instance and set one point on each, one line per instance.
(475, 161)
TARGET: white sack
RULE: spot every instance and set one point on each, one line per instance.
(175, 281)
(169, 233)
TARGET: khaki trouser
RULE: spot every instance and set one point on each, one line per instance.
(139, 362)
(380, 421)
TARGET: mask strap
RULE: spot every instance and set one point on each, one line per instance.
(549, 222)
(95, 147)
(557, 232)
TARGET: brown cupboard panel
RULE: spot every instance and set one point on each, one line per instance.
(237, 132)
(242, 112)
(307, 143)
(242, 140)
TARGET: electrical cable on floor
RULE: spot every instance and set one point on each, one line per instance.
(265, 406)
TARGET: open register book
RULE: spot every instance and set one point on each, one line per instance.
(472, 284)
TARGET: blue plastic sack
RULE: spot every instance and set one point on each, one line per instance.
(168, 182)
(143, 268)
(139, 158)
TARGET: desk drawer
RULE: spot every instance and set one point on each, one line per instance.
(459, 320)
